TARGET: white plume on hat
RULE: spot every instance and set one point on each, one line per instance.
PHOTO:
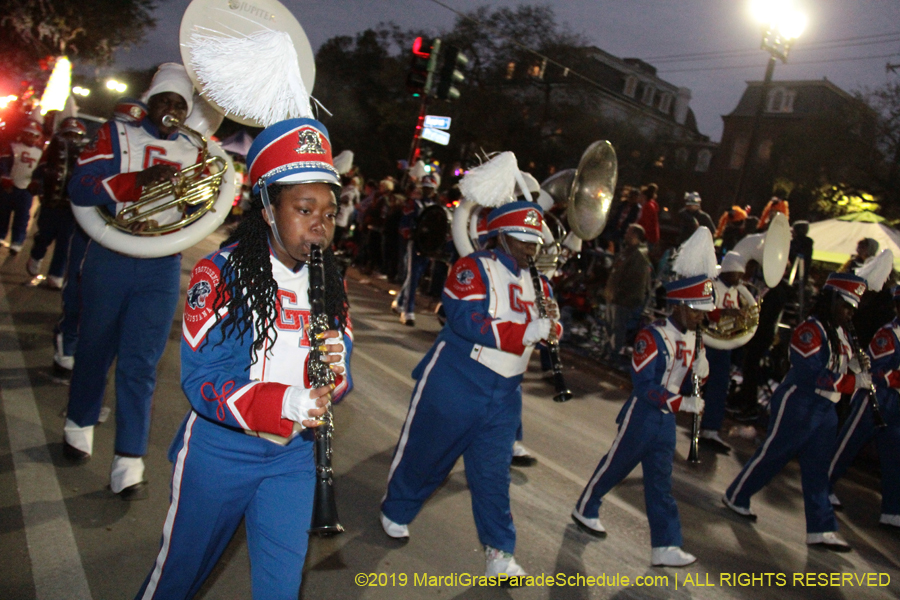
(531, 182)
(255, 76)
(696, 256)
(171, 77)
(877, 269)
(494, 182)
(343, 162)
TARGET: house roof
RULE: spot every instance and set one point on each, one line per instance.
(818, 96)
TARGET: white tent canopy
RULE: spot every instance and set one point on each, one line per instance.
(834, 240)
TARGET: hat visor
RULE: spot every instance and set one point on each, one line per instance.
(530, 238)
(849, 299)
(288, 178)
(704, 305)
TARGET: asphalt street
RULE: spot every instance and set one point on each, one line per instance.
(64, 536)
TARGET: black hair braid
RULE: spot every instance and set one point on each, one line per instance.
(822, 311)
(248, 290)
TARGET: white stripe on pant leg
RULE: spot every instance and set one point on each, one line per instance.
(55, 562)
(177, 473)
(765, 448)
(404, 435)
(586, 495)
(853, 425)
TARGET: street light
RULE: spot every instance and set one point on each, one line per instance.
(117, 86)
(782, 23)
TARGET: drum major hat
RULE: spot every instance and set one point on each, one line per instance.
(850, 287)
(292, 151)
(695, 292)
(520, 219)
(695, 265)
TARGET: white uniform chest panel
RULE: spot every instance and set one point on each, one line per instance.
(139, 150)
(285, 361)
(680, 347)
(25, 161)
(726, 297)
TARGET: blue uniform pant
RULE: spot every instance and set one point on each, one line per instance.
(803, 425)
(858, 430)
(458, 408)
(127, 309)
(415, 268)
(716, 388)
(18, 204)
(646, 436)
(220, 476)
(71, 293)
(55, 226)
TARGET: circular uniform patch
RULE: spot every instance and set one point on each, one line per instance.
(465, 277)
(196, 296)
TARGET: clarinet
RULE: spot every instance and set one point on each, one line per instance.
(877, 419)
(324, 517)
(694, 453)
(562, 391)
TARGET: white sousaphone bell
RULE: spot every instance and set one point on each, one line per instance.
(770, 250)
(586, 193)
(203, 193)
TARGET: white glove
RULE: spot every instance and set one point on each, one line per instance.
(296, 404)
(857, 367)
(692, 404)
(536, 331)
(863, 380)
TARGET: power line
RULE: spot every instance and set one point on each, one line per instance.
(804, 62)
(747, 53)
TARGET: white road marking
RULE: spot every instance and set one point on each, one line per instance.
(55, 561)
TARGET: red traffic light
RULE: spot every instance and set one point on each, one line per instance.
(417, 48)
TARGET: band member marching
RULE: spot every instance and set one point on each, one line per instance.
(729, 293)
(860, 426)
(241, 452)
(468, 397)
(803, 422)
(664, 355)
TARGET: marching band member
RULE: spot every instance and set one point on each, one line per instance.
(127, 303)
(55, 221)
(468, 397)
(859, 428)
(728, 291)
(416, 263)
(664, 354)
(240, 453)
(18, 162)
(803, 422)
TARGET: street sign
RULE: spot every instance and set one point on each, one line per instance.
(436, 135)
(436, 122)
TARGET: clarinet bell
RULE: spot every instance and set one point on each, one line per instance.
(563, 393)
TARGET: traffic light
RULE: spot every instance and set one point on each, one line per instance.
(425, 53)
(451, 74)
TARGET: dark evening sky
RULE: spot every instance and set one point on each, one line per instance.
(847, 41)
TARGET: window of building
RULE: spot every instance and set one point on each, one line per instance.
(780, 100)
(648, 95)
(665, 103)
(681, 158)
(631, 83)
(764, 152)
(510, 69)
(739, 152)
(704, 157)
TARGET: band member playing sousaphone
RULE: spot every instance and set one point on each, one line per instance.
(468, 397)
(664, 356)
(127, 303)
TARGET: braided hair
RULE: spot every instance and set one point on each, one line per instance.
(822, 312)
(247, 290)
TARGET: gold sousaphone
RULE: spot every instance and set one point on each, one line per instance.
(770, 250)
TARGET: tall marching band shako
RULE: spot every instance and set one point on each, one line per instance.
(848, 286)
(521, 219)
(695, 264)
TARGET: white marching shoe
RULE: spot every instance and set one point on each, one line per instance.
(78, 442)
(589, 526)
(394, 530)
(126, 478)
(501, 564)
(892, 520)
(828, 540)
(670, 556)
(740, 510)
(33, 266)
(521, 457)
(408, 319)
